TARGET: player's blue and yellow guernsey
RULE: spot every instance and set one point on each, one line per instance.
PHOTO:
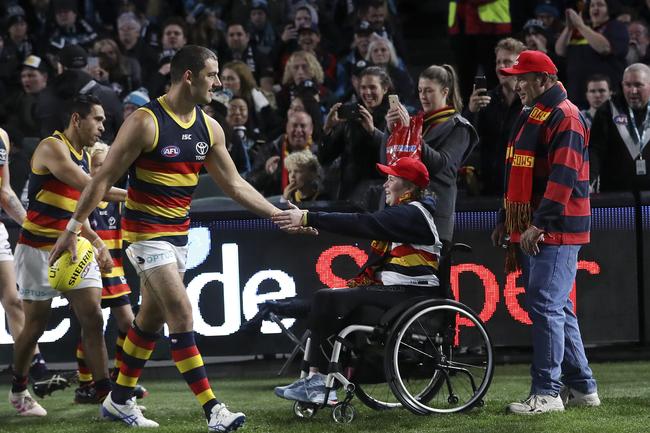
(163, 178)
(105, 220)
(51, 202)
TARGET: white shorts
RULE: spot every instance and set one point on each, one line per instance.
(5, 246)
(146, 255)
(31, 275)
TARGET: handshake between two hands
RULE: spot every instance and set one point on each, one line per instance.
(293, 221)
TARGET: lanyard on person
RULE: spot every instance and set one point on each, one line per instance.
(640, 138)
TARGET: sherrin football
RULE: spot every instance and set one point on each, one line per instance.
(64, 275)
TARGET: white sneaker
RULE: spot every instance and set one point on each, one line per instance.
(535, 404)
(222, 420)
(128, 413)
(25, 404)
(572, 397)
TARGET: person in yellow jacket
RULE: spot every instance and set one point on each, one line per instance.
(476, 26)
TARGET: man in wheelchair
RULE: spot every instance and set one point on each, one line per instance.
(402, 264)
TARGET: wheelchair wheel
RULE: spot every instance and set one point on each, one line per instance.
(304, 410)
(439, 358)
(377, 396)
(343, 413)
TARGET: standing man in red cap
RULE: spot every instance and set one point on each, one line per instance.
(403, 263)
(547, 212)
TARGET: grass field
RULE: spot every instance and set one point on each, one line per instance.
(624, 389)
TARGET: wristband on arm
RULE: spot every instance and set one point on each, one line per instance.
(74, 226)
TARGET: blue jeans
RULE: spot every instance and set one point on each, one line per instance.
(558, 354)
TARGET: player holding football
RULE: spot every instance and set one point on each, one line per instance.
(59, 171)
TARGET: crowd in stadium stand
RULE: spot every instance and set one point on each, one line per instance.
(315, 77)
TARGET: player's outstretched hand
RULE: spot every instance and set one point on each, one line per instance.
(67, 241)
(289, 218)
(293, 221)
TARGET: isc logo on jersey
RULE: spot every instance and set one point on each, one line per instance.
(170, 151)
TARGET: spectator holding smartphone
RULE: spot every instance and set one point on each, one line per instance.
(353, 132)
(448, 140)
(492, 113)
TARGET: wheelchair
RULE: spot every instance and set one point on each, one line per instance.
(427, 355)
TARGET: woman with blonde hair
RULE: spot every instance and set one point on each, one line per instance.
(448, 138)
(301, 70)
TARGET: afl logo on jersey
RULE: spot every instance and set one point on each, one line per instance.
(202, 150)
(170, 151)
(111, 221)
(3, 155)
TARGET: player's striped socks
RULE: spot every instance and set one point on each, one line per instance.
(189, 362)
(85, 376)
(137, 349)
(119, 351)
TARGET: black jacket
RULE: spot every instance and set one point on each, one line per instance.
(609, 156)
(493, 124)
(358, 149)
(445, 148)
(50, 106)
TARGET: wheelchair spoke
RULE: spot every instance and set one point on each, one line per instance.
(462, 364)
(416, 350)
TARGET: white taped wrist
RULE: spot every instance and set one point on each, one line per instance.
(74, 226)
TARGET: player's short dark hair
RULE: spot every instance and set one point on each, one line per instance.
(82, 105)
(190, 57)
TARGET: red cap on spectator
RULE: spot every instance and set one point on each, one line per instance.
(531, 61)
(408, 168)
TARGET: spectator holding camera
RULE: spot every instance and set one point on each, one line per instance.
(304, 178)
(448, 139)
(492, 113)
(353, 132)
